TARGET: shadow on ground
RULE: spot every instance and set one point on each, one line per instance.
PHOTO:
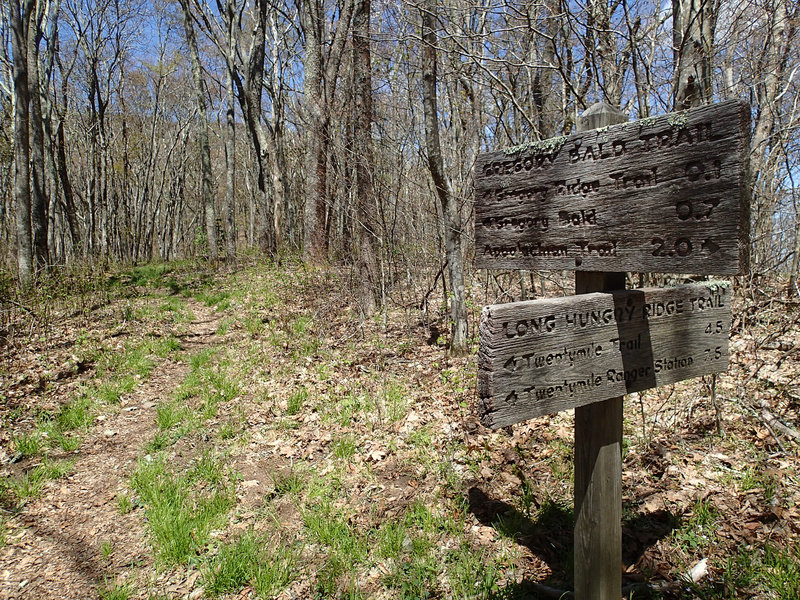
(549, 536)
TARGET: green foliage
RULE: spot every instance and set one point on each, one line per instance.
(180, 515)
(396, 402)
(699, 531)
(30, 484)
(27, 444)
(124, 504)
(471, 573)
(106, 549)
(77, 414)
(116, 591)
(288, 483)
(251, 560)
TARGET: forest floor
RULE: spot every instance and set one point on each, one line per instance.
(174, 432)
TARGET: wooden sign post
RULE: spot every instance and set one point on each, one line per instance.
(663, 194)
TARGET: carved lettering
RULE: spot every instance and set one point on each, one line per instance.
(676, 135)
(624, 181)
(521, 164)
(577, 218)
(598, 151)
(517, 223)
(602, 248)
(577, 187)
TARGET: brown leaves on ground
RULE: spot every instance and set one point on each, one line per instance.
(318, 394)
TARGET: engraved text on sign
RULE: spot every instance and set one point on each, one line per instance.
(544, 356)
(662, 194)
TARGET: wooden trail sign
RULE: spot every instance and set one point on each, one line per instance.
(544, 356)
(663, 194)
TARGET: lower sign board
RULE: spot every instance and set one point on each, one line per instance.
(544, 356)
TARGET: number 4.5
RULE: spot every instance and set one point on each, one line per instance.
(715, 328)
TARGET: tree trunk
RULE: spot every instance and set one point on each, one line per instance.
(230, 135)
(202, 134)
(693, 25)
(39, 200)
(449, 204)
(368, 239)
(20, 17)
(314, 241)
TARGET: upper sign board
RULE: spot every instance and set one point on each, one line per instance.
(663, 194)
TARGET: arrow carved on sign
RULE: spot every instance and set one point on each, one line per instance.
(710, 246)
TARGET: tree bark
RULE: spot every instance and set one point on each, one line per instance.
(202, 134)
(230, 133)
(693, 25)
(449, 204)
(321, 74)
(20, 15)
(368, 237)
(39, 199)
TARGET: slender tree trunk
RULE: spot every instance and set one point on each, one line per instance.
(20, 16)
(450, 212)
(368, 237)
(694, 23)
(39, 200)
(230, 136)
(314, 240)
(202, 134)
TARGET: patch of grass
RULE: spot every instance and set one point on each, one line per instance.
(471, 573)
(106, 549)
(396, 402)
(150, 275)
(27, 444)
(294, 403)
(30, 484)
(112, 590)
(251, 560)
(124, 504)
(301, 324)
(288, 483)
(77, 414)
(753, 478)
(225, 326)
(220, 299)
(3, 526)
(180, 515)
(347, 550)
(229, 430)
(698, 532)
(254, 325)
(757, 572)
(68, 443)
(344, 447)
(169, 414)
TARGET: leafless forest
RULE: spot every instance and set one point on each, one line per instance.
(347, 131)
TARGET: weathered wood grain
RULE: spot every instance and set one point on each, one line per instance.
(665, 194)
(544, 356)
(598, 448)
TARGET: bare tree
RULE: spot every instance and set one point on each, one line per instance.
(321, 77)
(694, 23)
(448, 202)
(365, 189)
(202, 133)
(20, 17)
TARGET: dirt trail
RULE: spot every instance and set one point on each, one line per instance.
(72, 539)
